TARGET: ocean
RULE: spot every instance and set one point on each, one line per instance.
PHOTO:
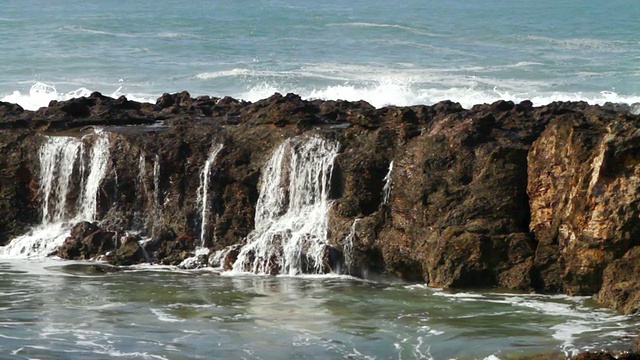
(52, 309)
(414, 52)
(387, 53)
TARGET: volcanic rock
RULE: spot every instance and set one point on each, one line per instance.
(501, 195)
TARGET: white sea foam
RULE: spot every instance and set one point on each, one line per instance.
(578, 318)
(162, 316)
(378, 86)
(405, 92)
(39, 242)
(178, 35)
(224, 73)
(97, 32)
(41, 94)
(582, 43)
(409, 85)
(388, 26)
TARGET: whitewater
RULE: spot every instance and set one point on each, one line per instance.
(380, 52)
(414, 52)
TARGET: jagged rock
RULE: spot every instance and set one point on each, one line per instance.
(584, 177)
(171, 250)
(500, 195)
(458, 192)
(621, 284)
(587, 355)
(128, 252)
(594, 356)
(87, 241)
(18, 183)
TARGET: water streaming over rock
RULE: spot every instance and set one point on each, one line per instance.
(347, 247)
(156, 181)
(203, 200)
(156, 213)
(98, 162)
(290, 235)
(140, 214)
(62, 167)
(58, 157)
(386, 190)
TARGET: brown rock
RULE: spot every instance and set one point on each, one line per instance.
(621, 283)
(87, 241)
(584, 174)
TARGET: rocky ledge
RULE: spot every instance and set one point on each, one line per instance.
(504, 195)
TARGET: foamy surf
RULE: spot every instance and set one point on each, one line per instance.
(397, 93)
(41, 94)
(400, 90)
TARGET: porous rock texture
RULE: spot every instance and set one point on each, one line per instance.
(501, 195)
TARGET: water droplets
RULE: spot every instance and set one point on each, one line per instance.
(290, 235)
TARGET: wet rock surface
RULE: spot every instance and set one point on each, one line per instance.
(88, 241)
(501, 195)
(606, 356)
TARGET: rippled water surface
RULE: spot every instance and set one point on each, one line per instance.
(385, 52)
(60, 310)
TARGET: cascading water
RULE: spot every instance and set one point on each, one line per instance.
(290, 235)
(58, 157)
(139, 216)
(347, 247)
(98, 162)
(386, 189)
(156, 211)
(203, 192)
(156, 182)
(203, 204)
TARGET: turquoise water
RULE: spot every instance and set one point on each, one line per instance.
(409, 53)
(413, 52)
(62, 310)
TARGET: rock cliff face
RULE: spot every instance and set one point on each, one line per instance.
(503, 195)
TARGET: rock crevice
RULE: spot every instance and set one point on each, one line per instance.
(500, 195)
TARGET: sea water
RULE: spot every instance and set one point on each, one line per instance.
(52, 309)
(401, 53)
(414, 52)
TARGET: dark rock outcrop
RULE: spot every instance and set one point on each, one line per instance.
(501, 195)
(584, 173)
(89, 241)
(606, 356)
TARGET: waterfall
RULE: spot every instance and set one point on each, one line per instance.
(58, 157)
(347, 247)
(203, 192)
(156, 212)
(386, 190)
(290, 235)
(156, 182)
(98, 161)
(139, 217)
